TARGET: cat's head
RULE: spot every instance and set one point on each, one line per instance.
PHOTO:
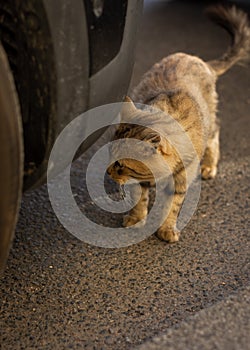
(148, 146)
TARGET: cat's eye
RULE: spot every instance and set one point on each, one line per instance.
(118, 164)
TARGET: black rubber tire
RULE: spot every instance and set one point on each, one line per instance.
(11, 158)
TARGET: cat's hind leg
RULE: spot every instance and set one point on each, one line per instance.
(211, 157)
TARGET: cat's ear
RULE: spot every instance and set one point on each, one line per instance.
(128, 109)
(165, 146)
(127, 99)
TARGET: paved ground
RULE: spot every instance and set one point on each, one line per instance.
(60, 293)
(224, 325)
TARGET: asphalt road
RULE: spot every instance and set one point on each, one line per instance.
(60, 293)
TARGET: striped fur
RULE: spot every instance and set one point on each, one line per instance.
(183, 87)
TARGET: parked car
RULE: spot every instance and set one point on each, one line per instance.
(57, 59)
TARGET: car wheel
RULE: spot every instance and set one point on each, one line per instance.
(11, 156)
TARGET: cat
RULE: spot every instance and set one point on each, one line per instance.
(184, 87)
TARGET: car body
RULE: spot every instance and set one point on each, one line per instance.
(61, 58)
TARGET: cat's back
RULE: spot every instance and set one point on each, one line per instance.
(178, 71)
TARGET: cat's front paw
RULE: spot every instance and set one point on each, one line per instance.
(130, 220)
(208, 172)
(167, 234)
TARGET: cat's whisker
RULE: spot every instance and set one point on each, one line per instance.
(127, 201)
(122, 192)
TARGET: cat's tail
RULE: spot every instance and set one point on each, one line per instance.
(236, 22)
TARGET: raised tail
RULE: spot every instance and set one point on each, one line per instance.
(236, 22)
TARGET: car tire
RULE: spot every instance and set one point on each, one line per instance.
(11, 156)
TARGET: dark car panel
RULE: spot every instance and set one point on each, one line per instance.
(63, 57)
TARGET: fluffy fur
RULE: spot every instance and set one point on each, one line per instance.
(183, 87)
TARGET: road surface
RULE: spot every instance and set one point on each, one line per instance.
(60, 293)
